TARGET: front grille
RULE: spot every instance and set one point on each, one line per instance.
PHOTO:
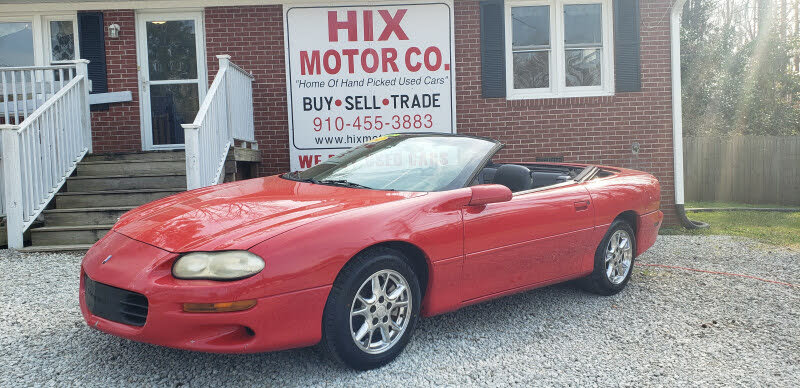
(115, 304)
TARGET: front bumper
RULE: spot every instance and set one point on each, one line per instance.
(276, 322)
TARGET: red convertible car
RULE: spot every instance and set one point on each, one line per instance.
(350, 253)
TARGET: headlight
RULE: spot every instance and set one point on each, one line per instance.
(230, 265)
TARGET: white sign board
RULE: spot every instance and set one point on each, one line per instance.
(358, 72)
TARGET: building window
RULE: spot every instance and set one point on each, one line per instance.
(16, 44)
(38, 40)
(531, 47)
(583, 44)
(62, 41)
(559, 48)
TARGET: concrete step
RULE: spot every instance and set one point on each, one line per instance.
(56, 248)
(84, 216)
(132, 167)
(147, 155)
(68, 235)
(113, 198)
(125, 182)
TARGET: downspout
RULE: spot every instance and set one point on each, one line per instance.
(677, 116)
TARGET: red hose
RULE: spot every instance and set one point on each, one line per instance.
(718, 273)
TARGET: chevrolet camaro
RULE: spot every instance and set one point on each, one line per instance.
(349, 254)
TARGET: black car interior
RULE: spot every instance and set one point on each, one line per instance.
(519, 177)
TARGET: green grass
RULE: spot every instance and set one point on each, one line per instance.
(690, 204)
(769, 227)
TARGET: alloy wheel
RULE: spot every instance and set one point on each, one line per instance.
(380, 312)
(619, 256)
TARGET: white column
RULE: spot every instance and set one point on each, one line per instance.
(191, 137)
(12, 174)
(83, 70)
(224, 61)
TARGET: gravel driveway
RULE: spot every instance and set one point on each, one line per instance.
(669, 327)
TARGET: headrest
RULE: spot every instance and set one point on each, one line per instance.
(515, 177)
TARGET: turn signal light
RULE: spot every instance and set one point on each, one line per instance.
(222, 307)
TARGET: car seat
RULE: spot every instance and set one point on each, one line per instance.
(514, 176)
(486, 175)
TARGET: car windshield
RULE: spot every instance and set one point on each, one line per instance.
(403, 163)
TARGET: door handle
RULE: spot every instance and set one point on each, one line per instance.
(581, 205)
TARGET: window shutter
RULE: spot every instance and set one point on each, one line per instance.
(93, 47)
(493, 56)
(627, 46)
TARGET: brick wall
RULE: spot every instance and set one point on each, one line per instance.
(593, 130)
(253, 37)
(118, 128)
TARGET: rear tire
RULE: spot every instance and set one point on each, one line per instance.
(372, 310)
(613, 260)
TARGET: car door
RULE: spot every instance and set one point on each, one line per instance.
(537, 237)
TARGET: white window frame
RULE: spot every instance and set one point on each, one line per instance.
(46, 44)
(36, 28)
(557, 72)
(40, 25)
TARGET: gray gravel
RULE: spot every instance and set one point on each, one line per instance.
(669, 327)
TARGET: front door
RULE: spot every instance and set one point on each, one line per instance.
(537, 237)
(172, 76)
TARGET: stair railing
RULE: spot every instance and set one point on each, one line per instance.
(24, 89)
(225, 116)
(2, 185)
(41, 149)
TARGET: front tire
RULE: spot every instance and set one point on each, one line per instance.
(613, 260)
(372, 309)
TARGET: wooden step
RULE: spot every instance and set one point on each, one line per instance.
(56, 248)
(125, 182)
(111, 198)
(68, 235)
(84, 216)
(132, 167)
(145, 155)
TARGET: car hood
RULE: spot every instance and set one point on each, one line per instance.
(241, 214)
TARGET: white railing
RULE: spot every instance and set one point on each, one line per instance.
(225, 116)
(43, 149)
(2, 191)
(24, 89)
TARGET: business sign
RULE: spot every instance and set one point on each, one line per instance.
(358, 72)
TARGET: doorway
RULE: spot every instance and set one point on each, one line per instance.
(172, 75)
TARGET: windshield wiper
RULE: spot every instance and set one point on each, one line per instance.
(342, 182)
(295, 176)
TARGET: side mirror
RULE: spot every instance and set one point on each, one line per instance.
(486, 194)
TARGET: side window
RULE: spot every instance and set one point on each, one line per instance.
(62, 41)
(557, 48)
(530, 45)
(16, 44)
